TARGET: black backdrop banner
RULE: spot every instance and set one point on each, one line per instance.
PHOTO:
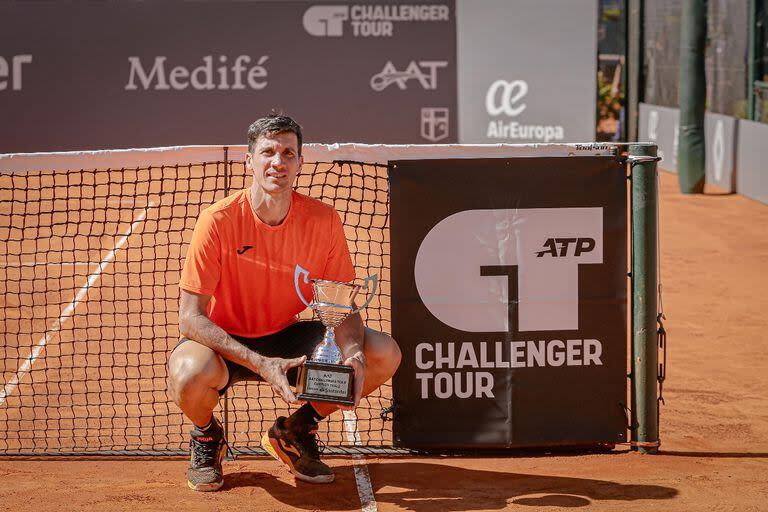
(107, 75)
(509, 301)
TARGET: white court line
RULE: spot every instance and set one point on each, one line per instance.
(69, 310)
(363, 479)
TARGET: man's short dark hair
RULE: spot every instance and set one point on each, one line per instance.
(272, 125)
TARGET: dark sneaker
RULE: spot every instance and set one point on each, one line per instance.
(297, 447)
(207, 450)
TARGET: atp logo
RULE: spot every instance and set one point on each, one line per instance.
(325, 20)
(476, 266)
(581, 245)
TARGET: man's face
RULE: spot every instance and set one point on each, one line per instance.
(275, 162)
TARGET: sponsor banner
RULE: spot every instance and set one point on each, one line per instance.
(662, 126)
(531, 77)
(95, 75)
(720, 141)
(752, 153)
(509, 297)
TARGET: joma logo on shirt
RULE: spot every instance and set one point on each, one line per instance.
(244, 248)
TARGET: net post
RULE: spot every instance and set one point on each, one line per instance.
(644, 367)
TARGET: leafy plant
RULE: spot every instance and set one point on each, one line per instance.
(608, 101)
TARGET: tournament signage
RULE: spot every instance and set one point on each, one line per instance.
(661, 125)
(108, 75)
(531, 76)
(105, 75)
(509, 301)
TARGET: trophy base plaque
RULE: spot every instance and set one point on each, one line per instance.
(325, 382)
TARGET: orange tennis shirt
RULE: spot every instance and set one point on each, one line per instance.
(248, 266)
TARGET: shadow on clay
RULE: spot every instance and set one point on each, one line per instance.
(422, 486)
(716, 455)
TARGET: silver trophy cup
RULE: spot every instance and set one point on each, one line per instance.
(322, 378)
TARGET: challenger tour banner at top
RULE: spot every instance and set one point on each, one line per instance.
(103, 75)
(366, 20)
(96, 75)
(509, 297)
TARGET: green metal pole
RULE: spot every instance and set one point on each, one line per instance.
(751, 64)
(644, 368)
(633, 94)
(691, 154)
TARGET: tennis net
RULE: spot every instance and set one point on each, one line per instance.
(89, 297)
(95, 243)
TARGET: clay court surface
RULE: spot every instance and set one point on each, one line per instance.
(714, 427)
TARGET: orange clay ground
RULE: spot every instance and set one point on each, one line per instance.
(714, 427)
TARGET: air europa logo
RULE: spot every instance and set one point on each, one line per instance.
(368, 20)
(505, 98)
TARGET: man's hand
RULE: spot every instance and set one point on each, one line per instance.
(273, 370)
(357, 362)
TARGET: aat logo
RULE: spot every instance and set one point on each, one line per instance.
(424, 72)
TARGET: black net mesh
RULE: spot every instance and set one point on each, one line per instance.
(725, 54)
(88, 286)
(761, 40)
(661, 54)
(726, 57)
(761, 102)
(760, 86)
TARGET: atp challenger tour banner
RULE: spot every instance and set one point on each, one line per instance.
(100, 75)
(509, 301)
(106, 75)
